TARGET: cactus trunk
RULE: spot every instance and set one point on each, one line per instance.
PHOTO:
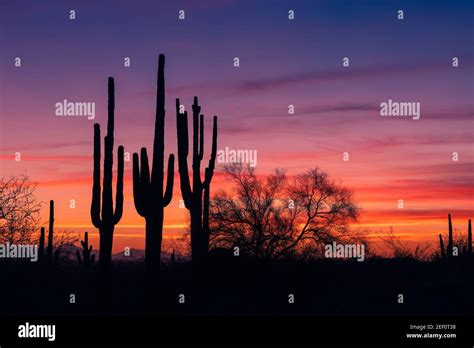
(149, 197)
(105, 246)
(153, 239)
(105, 218)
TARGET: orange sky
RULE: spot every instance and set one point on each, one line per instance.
(424, 214)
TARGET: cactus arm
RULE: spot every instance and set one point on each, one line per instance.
(183, 150)
(95, 205)
(214, 139)
(169, 181)
(196, 139)
(159, 132)
(145, 170)
(201, 137)
(205, 215)
(119, 194)
(197, 183)
(212, 160)
(196, 160)
(107, 202)
(107, 209)
(182, 126)
(137, 192)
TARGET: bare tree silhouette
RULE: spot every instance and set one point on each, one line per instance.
(401, 250)
(268, 218)
(19, 209)
(65, 245)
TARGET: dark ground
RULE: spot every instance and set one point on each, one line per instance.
(238, 288)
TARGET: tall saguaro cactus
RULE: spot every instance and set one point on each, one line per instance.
(106, 219)
(196, 200)
(148, 195)
(50, 232)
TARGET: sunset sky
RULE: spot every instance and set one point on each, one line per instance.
(282, 62)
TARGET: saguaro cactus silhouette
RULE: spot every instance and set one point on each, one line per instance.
(441, 247)
(467, 249)
(450, 237)
(87, 259)
(106, 219)
(196, 200)
(41, 244)
(50, 232)
(148, 195)
(469, 238)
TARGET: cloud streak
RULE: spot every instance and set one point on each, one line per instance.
(269, 84)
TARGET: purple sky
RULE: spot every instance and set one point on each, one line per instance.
(282, 62)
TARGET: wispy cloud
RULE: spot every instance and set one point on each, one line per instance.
(309, 77)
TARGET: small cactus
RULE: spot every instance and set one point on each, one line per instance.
(450, 237)
(87, 259)
(41, 244)
(469, 238)
(441, 246)
(50, 232)
(449, 251)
